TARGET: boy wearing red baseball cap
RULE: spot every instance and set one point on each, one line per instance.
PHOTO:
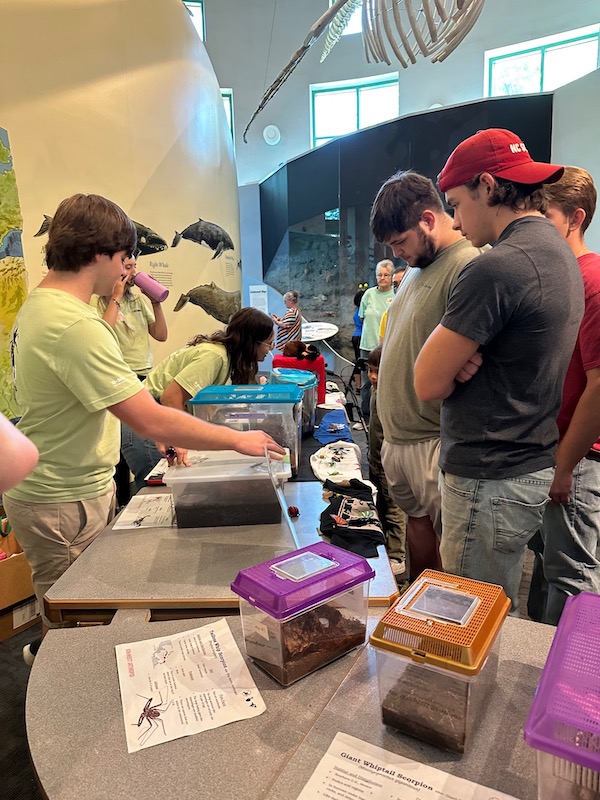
(499, 356)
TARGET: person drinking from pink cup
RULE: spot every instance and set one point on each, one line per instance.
(134, 321)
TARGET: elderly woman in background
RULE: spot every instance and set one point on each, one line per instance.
(289, 327)
(229, 356)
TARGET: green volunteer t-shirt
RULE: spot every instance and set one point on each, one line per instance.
(133, 320)
(373, 306)
(68, 371)
(194, 368)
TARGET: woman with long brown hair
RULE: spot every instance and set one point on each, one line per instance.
(229, 356)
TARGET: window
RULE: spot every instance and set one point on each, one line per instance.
(195, 7)
(347, 106)
(542, 65)
(227, 95)
(355, 22)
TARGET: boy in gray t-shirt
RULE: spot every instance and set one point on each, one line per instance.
(499, 357)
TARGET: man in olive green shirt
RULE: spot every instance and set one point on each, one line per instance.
(409, 217)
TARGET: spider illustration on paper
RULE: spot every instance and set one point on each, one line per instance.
(151, 713)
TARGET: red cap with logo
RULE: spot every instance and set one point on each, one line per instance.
(499, 152)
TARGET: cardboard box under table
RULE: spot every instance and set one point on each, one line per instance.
(303, 610)
(437, 657)
(18, 609)
(564, 721)
(225, 488)
(276, 410)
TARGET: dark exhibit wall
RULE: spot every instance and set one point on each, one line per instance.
(315, 209)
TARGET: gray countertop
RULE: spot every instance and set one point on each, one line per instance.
(497, 755)
(76, 730)
(77, 739)
(190, 567)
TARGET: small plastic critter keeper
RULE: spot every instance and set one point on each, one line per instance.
(224, 488)
(276, 410)
(304, 609)
(308, 382)
(437, 657)
(564, 720)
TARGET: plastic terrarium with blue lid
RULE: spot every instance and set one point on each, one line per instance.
(274, 409)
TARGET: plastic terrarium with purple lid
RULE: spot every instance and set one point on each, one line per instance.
(303, 609)
(564, 720)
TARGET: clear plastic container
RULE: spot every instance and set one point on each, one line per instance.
(303, 610)
(223, 488)
(437, 657)
(564, 720)
(308, 382)
(277, 410)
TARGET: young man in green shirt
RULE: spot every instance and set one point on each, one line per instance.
(73, 387)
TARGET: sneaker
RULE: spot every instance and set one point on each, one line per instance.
(30, 651)
(398, 567)
(358, 426)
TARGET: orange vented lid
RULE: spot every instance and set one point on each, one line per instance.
(444, 621)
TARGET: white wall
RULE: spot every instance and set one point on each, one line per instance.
(249, 42)
(575, 131)
(105, 97)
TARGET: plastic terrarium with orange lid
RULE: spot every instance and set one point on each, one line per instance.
(437, 657)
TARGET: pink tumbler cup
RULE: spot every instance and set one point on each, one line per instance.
(151, 287)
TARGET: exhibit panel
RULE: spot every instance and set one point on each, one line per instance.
(315, 210)
(131, 110)
(13, 277)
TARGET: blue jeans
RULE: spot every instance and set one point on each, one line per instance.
(141, 455)
(486, 525)
(571, 541)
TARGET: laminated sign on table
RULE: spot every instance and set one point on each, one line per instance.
(184, 684)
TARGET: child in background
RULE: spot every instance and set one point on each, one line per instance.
(358, 326)
(357, 333)
(393, 519)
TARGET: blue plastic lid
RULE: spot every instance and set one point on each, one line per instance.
(269, 393)
(301, 377)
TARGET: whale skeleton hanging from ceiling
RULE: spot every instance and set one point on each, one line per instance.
(430, 28)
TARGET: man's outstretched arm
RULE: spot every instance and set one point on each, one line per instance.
(446, 357)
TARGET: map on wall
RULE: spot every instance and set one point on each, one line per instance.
(13, 280)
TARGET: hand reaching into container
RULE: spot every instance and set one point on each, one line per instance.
(254, 443)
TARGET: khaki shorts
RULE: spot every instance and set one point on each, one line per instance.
(412, 474)
(53, 535)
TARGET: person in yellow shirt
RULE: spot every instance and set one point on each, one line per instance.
(74, 387)
(134, 322)
(229, 356)
(397, 276)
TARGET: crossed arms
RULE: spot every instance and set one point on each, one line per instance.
(445, 359)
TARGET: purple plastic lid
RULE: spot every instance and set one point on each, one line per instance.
(294, 582)
(564, 719)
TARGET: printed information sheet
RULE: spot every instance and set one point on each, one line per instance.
(147, 511)
(184, 684)
(352, 770)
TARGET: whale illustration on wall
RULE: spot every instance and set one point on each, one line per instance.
(207, 233)
(215, 301)
(148, 241)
